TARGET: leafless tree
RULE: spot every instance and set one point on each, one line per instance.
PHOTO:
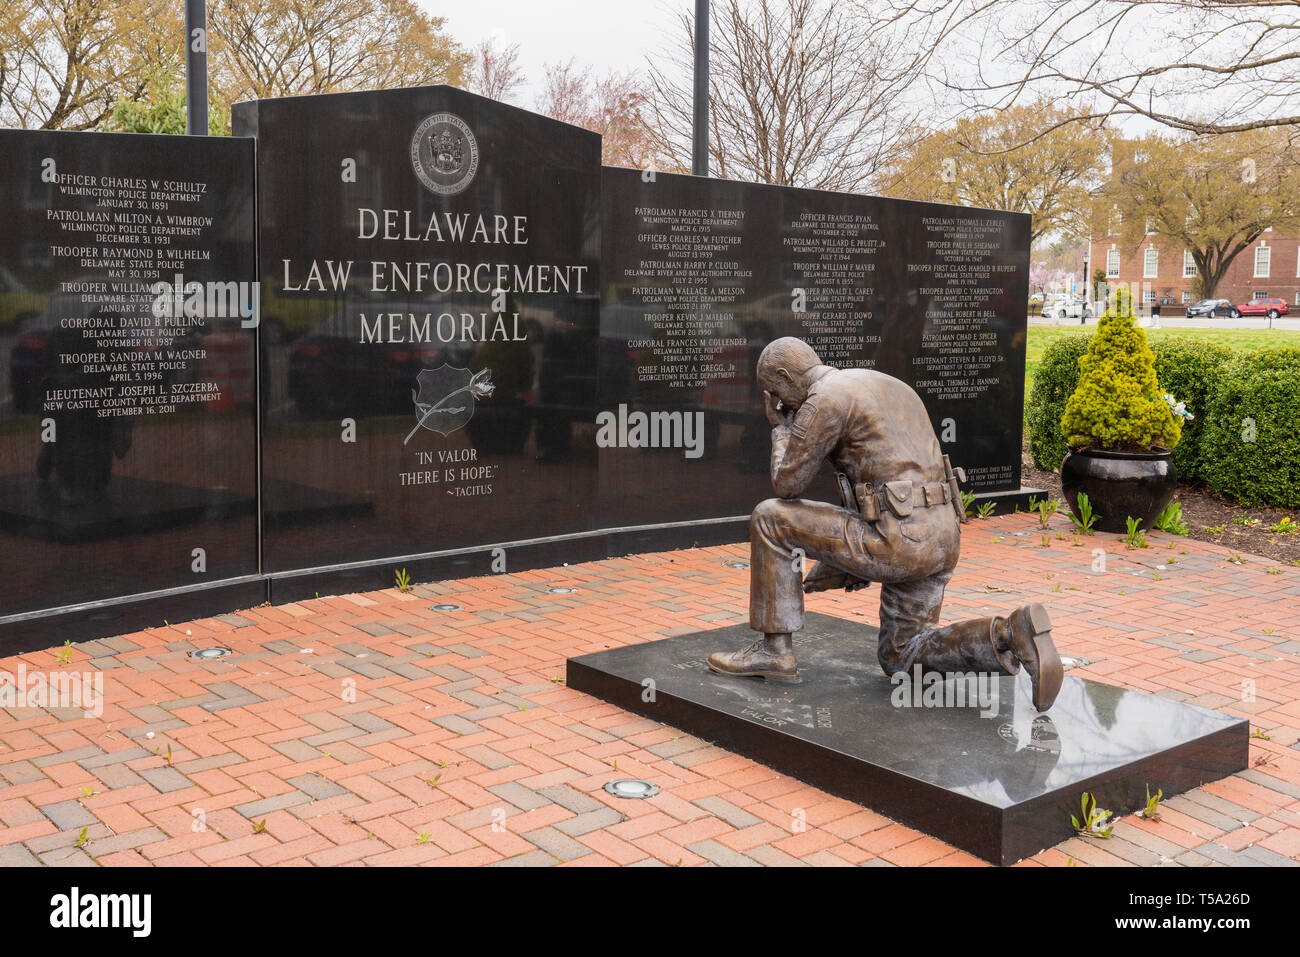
(613, 106)
(1198, 66)
(565, 92)
(264, 48)
(495, 72)
(801, 93)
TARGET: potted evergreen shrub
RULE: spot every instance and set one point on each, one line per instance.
(1120, 428)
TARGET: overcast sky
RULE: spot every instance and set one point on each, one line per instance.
(604, 34)
(620, 34)
(607, 34)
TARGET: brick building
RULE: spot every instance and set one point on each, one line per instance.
(1164, 271)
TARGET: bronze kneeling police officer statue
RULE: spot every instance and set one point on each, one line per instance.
(899, 525)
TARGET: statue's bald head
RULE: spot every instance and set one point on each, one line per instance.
(783, 367)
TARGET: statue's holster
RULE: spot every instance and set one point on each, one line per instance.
(899, 498)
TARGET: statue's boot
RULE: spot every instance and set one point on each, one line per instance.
(1000, 645)
(1026, 634)
(770, 657)
(824, 577)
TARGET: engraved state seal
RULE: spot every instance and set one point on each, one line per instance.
(444, 153)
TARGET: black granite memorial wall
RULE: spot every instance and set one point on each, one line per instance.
(477, 350)
(430, 270)
(700, 274)
(128, 456)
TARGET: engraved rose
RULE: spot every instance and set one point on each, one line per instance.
(480, 387)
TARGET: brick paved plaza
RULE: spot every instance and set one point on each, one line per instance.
(371, 729)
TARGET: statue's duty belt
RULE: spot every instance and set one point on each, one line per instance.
(901, 497)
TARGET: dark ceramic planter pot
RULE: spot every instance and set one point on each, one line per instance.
(1119, 485)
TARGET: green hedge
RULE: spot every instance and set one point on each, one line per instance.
(1223, 390)
(1054, 381)
(1191, 370)
(1250, 443)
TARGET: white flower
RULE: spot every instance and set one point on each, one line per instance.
(1177, 408)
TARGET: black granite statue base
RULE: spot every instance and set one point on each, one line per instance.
(969, 762)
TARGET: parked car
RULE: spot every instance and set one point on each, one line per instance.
(1260, 307)
(1213, 308)
(1067, 309)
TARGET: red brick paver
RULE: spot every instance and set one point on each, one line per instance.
(370, 729)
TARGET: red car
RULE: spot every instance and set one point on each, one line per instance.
(1260, 307)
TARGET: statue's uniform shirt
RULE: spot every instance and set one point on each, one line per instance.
(872, 427)
(875, 429)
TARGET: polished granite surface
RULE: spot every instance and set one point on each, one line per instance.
(128, 421)
(992, 776)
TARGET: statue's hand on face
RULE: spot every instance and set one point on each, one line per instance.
(772, 407)
(782, 395)
(790, 389)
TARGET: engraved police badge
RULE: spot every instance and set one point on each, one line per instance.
(447, 397)
(444, 153)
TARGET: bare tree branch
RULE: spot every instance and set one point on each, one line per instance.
(1198, 66)
(495, 73)
(613, 106)
(801, 94)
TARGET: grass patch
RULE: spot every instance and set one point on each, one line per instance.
(1244, 340)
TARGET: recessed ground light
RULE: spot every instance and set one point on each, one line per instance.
(736, 564)
(631, 788)
(445, 606)
(560, 590)
(210, 653)
(1069, 661)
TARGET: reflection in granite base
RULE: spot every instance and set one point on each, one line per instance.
(550, 552)
(1001, 787)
